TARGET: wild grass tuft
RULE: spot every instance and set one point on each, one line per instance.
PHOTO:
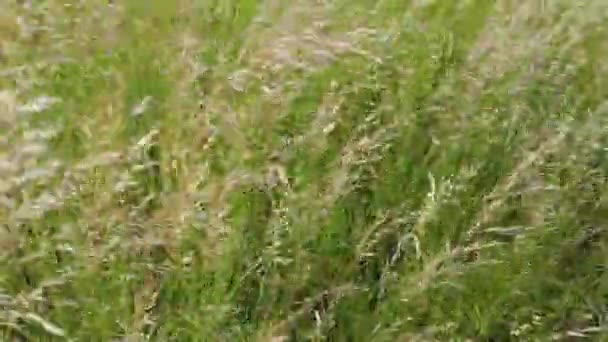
(304, 171)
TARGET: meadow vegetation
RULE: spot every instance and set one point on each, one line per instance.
(304, 170)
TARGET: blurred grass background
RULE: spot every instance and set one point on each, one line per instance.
(240, 170)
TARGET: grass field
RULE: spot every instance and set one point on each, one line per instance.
(305, 170)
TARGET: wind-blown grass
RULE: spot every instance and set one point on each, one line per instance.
(306, 170)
